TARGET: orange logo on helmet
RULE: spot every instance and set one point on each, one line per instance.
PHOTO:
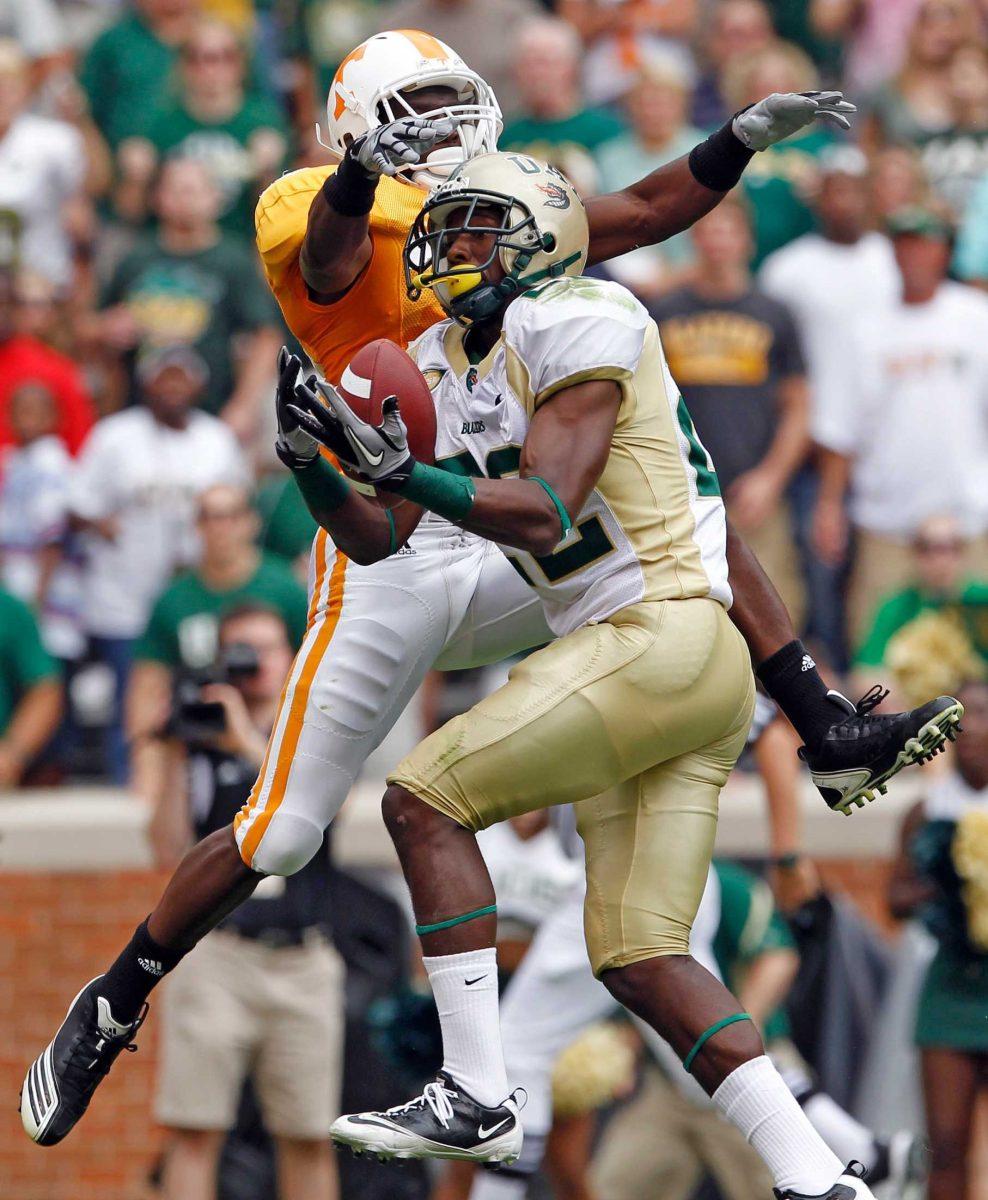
(424, 43)
(355, 55)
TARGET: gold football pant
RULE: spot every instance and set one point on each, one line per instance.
(638, 720)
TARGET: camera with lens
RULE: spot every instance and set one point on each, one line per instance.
(196, 721)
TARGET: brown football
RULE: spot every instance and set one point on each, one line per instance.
(382, 369)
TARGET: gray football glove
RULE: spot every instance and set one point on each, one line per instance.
(386, 149)
(377, 452)
(295, 447)
(783, 113)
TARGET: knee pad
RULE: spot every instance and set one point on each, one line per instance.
(289, 842)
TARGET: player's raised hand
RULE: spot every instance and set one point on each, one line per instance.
(784, 113)
(295, 447)
(385, 150)
(377, 452)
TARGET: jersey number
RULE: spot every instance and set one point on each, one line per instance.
(591, 545)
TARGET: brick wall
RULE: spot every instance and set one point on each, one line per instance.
(56, 932)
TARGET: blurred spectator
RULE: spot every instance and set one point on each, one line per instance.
(897, 181)
(36, 26)
(779, 181)
(875, 34)
(42, 169)
(127, 71)
(938, 584)
(134, 495)
(478, 30)
(939, 878)
(657, 106)
(30, 692)
(736, 355)
(24, 359)
(829, 280)
(956, 159)
(553, 120)
(734, 29)
(36, 559)
(917, 103)
(189, 283)
(907, 433)
(263, 993)
(181, 633)
(240, 137)
(621, 34)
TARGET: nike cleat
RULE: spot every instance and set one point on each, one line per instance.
(444, 1122)
(850, 1186)
(863, 750)
(60, 1082)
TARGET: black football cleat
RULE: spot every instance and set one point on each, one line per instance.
(61, 1081)
(444, 1122)
(850, 1186)
(862, 750)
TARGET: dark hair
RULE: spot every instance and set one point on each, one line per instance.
(253, 608)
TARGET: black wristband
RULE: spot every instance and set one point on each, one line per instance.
(719, 162)
(350, 189)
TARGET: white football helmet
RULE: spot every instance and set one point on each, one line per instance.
(366, 93)
(543, 234)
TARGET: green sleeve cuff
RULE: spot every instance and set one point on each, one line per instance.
(450, 496)
(322, 485)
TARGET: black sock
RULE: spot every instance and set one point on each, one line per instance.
(138, 970)
(790, 677)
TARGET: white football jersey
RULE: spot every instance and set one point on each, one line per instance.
(654, 527)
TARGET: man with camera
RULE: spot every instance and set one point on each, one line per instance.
(263, 993)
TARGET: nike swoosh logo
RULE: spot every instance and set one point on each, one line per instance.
(470, 982)
(483, 1133)
(372, 459)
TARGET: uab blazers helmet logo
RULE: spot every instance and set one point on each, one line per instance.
(555, 196)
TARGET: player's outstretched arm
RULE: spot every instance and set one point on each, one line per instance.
(359, 526)
(672, 198)
(337, 245)
(564, 454)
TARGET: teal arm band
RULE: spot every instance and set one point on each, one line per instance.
(564, 520)
(707, 1034)
(441, 492)
(393, 536)
(322, 486)
(421, 930)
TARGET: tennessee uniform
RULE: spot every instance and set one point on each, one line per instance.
(643, 705)
(449, 598)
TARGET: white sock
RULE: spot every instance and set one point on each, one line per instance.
(848, 1138)
(756, 1100)
(465, 988)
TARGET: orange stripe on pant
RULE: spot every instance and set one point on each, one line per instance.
(296, 715)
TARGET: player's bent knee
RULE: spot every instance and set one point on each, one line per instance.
(289, 842)
(404, 813)
(627, 981)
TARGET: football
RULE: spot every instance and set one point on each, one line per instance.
(382, 369)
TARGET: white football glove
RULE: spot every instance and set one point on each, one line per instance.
(377, 452)
(783, 113)
(385, 150)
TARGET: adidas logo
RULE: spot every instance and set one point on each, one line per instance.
(152, 966)
(808, 664)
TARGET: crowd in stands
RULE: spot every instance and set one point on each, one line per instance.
(827, 323)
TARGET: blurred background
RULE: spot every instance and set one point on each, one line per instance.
(828, 326)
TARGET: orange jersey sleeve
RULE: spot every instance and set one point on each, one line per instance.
(376, 306)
